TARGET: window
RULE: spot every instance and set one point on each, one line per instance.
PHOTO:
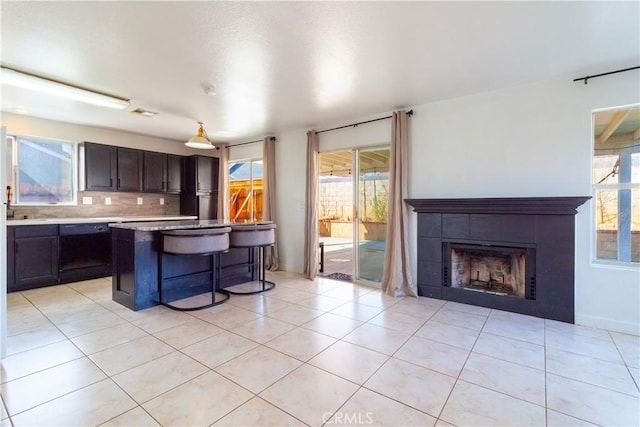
(245, 188)
(42, 171)
(616, 185)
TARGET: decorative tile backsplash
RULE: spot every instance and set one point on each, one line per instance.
(121, 204)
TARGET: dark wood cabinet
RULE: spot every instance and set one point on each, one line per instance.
(109, 168)
(199, 194)
(174, 174)
(100, 167)
(130, 164)
(200, 175)
(33, 257)
(206, 174)
(155, 172)
(46, 255)
(162, 173)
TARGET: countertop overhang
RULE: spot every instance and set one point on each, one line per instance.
(179, 225)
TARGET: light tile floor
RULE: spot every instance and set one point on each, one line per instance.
(311, 353)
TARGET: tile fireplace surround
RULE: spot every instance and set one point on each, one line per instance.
(542, 226)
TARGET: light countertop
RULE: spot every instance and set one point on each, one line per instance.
(178, 225)
(110, 219)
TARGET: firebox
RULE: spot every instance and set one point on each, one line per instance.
(507, 271)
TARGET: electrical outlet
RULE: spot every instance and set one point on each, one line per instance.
(139, 200)
(87, 200)
(162, 200)
(107, 200)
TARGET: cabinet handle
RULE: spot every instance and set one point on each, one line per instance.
(110, 182)
(118, 182)
(15, 247)
(198, 187)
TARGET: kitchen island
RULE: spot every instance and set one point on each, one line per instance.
(135, 248)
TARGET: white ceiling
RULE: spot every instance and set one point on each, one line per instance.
(290, 65)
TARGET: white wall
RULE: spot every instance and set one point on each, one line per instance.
(32, 126)
(532, 140)
(367, 135)
(246, 151)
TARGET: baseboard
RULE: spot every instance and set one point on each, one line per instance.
(609, 324)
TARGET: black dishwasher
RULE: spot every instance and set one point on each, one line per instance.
(85, 251)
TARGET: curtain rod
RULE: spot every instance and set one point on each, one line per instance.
(586, 78)
(409, 113)
(273, 138)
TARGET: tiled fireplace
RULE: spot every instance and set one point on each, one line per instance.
(514, 254)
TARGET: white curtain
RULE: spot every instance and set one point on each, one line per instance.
(223, 179)
(311, 207)
(396, 275)
(269, 196)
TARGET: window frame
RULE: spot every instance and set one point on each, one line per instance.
(595, 187)
(15, 168)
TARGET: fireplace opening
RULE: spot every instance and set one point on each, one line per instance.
(495, 270)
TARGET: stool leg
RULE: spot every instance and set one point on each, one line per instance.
(213, 278)
(261, 274)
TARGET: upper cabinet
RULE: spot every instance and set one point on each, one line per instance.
(155, 172)
(100, 167)
(130, 164)
(162, 173)
(201, 175)
(109, 168)
(174, 173)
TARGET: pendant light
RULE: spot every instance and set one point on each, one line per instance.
(201, 140)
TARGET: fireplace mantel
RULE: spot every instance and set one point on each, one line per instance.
(543, 225)
(509, 205)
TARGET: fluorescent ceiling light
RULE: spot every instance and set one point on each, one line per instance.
(16, 78)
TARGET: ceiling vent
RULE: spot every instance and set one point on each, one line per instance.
(144, 113)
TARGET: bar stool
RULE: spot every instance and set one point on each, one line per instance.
(203, 241)
(252, 236)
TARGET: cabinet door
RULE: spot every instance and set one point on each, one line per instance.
(207, 174)
(129, 169)
(11, 264)
(36, 261)
(204, 173)
(174, 174)
(155, 172)
(100, 167)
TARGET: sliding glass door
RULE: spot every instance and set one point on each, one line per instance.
(371, 212)
(353, 212)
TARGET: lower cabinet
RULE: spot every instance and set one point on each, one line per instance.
(45, 255)
(35, 255)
